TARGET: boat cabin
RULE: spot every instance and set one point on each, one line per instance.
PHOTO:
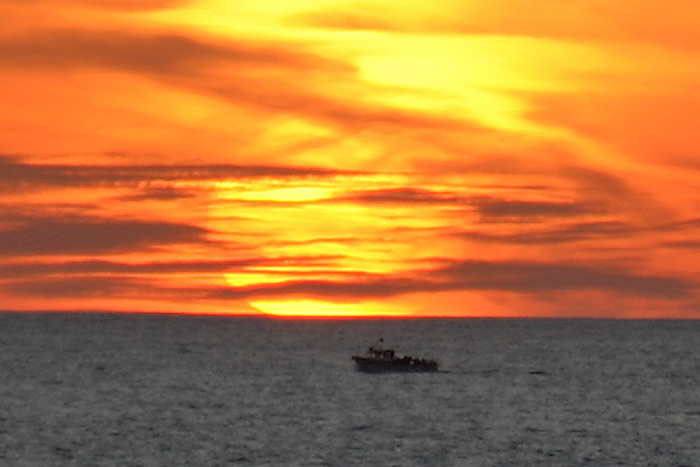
(380, 353)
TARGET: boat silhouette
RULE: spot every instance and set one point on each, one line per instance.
(381, 360)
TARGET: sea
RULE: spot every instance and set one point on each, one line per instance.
(174, 390)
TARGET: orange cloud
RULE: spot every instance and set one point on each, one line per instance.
(596, 20)
(281, 155)
(97, 4)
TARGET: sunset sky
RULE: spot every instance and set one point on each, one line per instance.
(448, 158)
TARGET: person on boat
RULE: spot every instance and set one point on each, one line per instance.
(378, 348)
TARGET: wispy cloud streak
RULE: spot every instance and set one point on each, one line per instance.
(14, 172)
(87, 236)
(521, 277)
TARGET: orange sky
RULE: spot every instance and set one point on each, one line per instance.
(452, 158)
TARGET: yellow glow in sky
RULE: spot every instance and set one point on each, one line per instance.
(316, 309)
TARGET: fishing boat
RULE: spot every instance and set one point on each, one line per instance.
(381, 360)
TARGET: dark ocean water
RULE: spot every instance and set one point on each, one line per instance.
(129, 390)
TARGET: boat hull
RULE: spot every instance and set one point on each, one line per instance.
(375, 365)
